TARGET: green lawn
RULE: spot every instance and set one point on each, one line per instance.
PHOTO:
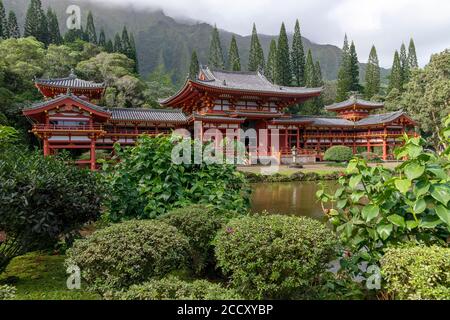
(40, 276)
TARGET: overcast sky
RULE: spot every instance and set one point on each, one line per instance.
(385, 23)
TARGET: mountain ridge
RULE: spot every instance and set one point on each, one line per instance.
(161, 39)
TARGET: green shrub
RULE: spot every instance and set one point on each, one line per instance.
(417, 272)
(199, 224)
(145, 183)
(370, 156)
(43, 199)
(128, 253)
(338, 154)
(274, 256)
(99, 155)
(7, 292)
(172, 288)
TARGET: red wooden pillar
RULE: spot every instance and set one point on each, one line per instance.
(298, 138)
(286, 143)
(368, 141)
(385, 151)
(46, 147)
(93, 159)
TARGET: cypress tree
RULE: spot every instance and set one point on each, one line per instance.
(54, 34)
(298, 57)
(271, 67)
(109, 47)
(118, 44)
(126, 44)
(234, 62)
(4, 30)
(90, 29)
(310, 80)
(344, 77)
(372, 75)
(216, 59)
(404, 63)
(412, 56)
(102, 39)
(354, 69)
(256, 57)
(13, 27)
(133, 53)
(395, 80)
(284, 74)
(318, 79)
(36, 22)
(194, 67)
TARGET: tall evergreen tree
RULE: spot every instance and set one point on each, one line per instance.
(284, 71)
(256, 57)
(298, 57)
(216, 59)
(4, 30)
(118, 44)
(372, 75)
(109, 47)
(126, 44)
(133, 53)
(54, 34)
(36, 22)
(344, 80)
(310, 80)
(13, 27)
(395, 80)
(405, 64)
(271, 66)
(318, 78)
(90, 29)
(194, 67)
(354, 69)
(412, 56)
(234, 62)
(102, 39)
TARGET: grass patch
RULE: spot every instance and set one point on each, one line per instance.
(40, 276)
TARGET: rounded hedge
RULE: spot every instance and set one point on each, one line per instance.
(172, 288)
(416, 273)
(338, 154)
(199, 224)
(128, 253)
(370, 156)
(274, 257)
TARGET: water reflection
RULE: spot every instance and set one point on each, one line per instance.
(293, 198)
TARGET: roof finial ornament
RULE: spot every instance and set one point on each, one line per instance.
(72, 74)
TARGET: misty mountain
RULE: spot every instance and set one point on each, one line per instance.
(161, 39)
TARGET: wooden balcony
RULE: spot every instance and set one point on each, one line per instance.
(80, 129)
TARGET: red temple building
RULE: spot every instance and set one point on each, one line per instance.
(69, 117)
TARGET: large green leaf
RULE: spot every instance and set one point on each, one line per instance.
(403, 185)
(444, 214)
(370, 212)
(385, 230)
(420, 206)
(430, 224)
(414, 170)
(421, 188)
(412, 224)
(397, 220)
(441, 193)
(354, 181)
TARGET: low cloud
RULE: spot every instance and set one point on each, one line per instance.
(385, 23)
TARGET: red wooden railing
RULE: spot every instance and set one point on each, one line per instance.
(56, 127)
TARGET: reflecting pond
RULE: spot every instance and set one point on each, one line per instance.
(293, 198)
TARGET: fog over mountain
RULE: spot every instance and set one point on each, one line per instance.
(168, 36)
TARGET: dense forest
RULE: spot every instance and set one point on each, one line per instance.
(40, 48)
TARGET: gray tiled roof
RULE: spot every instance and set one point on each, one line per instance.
(248, 81)
(339, 122)
(380, 118)
(70, 82)
(355, 101)
(157, 115)
(62, 97)
(216, 117)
